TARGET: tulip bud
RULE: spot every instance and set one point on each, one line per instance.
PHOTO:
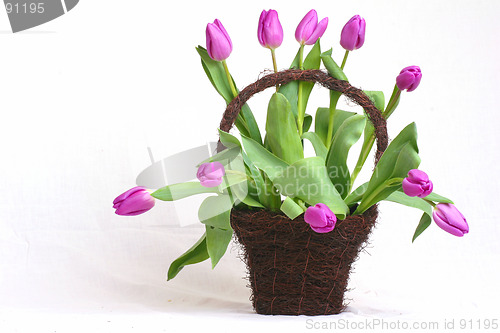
(210, 174)
(353, 33)
(320, 218)
(219, 45)
(409, 78)
(270, 32)
(135, 201)
(309, 30)
(448, 218)
(417, 184)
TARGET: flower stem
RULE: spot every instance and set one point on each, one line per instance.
(344, 60)
(229, 79)
(275, 66)
(334, 98)
(300, 108)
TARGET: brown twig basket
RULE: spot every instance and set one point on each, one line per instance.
(292, 269)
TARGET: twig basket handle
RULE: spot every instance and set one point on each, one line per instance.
(316, 76)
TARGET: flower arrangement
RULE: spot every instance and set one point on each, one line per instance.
(265, 186)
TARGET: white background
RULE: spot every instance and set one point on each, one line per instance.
(84, 96)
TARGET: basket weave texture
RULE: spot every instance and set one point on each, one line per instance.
(292, 269)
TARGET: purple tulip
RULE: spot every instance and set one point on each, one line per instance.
(270, 32)
(320, 218)
(210, 174)
(309, 30)
(417, 184)
(219, 45)
(409, 78)
(448, 218)
(135, 201)
(353, 33)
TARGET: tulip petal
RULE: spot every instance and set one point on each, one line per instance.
(306, 26)
(361, 34)
(126, 194)
(349, 35)
(315, 217)
(136, 204)
(318, 32)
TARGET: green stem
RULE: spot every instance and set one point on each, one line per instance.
(300, 108)
(230, 79)
(393, 102)
(334, 98)
(368, 144)
(344, 60)
(275, 66)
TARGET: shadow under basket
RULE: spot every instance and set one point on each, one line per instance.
(292, 269)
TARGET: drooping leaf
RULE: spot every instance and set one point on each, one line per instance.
(425, 222)
(197, 253)
(182, 190)
(336, 161)
(281, 130)
(438, 198)
(308, 180)
(290, 208)
(414, 202)
(263, 158)
(332, 67)
(318, 145)
(215, 211)
(217, 242)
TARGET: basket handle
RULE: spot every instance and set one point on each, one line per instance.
(316, 76)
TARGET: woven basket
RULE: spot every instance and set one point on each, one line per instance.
(292, 269)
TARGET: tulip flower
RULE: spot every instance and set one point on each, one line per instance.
(320, 218)
(219, 45)
(409, 78)
(353, 33)
(270, 32)
(135, 201)
(309, 30)
(417, 184)
(210, 174)
(448, 218)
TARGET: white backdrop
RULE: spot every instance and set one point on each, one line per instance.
(83, 97)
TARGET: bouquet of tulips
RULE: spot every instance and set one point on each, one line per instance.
(269, 171)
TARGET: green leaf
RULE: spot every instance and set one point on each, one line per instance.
(424, 223)
(290, 90)
(215, 211)
(322, 118)
(318, 145)
(197, 253)
(290, 208)
(332, 67)
(414, 202)
(336, 160)
(377, 98)
(356, 195)
(438, 198)
(307, 123)
(217, 242)
(263, 158)
(281, 130)
(245, 123)
(400, 157)
(308, 180)
(182, 190)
